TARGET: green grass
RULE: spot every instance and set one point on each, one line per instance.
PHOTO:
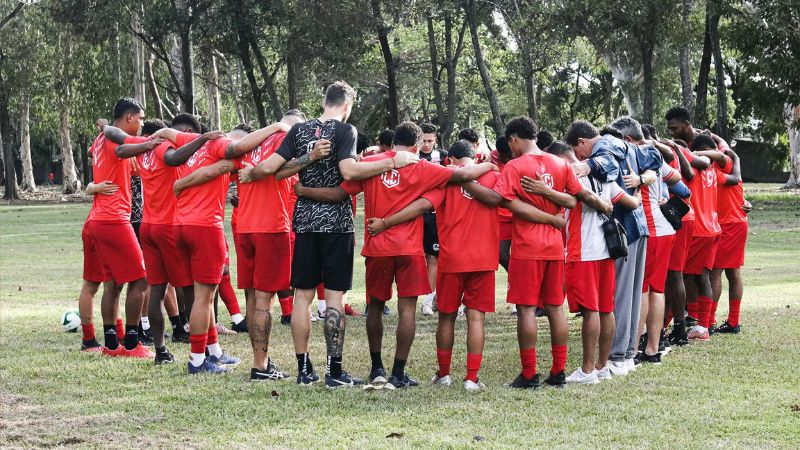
(732, 392)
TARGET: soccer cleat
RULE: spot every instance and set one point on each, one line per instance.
(180, 338)
(446, 380)
(678, 339)
(513, 310)
(140, 351)
(315, 317)
(206, 367)
(345, 380)
(377, 376)
(387, 311)
(540, 312)
(663, 345)
(272, 372)
(113, 353)
(699, 334)
(427, 305)
(286, 319)
(461, 310)
(690, 321)
(712, 329)
(618, 368)
(366, 310)
(474, 386)
(401, 382)
(603, 374)
(525, 383)
(145, 338)
(349, 311)
(164, 358)
(726, 328)
(321, 315)
(580, 377)
(91, 346)
(223, 330)
(642, 342)
(655, 360)
(224, 360)
(307, 379)
(557, 380)
(240, 327)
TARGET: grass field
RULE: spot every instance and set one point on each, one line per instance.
(734, 392)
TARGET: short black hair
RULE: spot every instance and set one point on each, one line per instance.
(503, 150)
(680, 113)
(151, 126)
(428, 127)
(247, 128)
(204, 128)
(651, 130)
(645, 132)
(544, 139)
(362, 142)
(386, 138)
(558, 148)
(461, 148)
(580, 129)
(609, 129)
(702, 142)
(126, 105)
(523, 127)
(630, 127)
(296, 113)
(470, 135)
(407, 134)
(338, 93)
(188, 120)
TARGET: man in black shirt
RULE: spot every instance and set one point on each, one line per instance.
(430, 238)
(323, 152)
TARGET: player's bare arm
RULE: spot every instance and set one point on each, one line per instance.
(538, 187)
(376, 225)
(176, 157)
(647, 178)
(483, 194)
(167, 133)
(630, 202)
(353, 170)
(253, 140)
(530, 213)
(203, 175)
(715, 156)
(736, 174)
(322, 148)
(102, 188)
(268, 167)
(594, 201)
(325, 195)
(472, 172)
(131, 150)
(665, 150)
(114, 134)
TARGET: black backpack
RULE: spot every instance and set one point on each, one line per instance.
(613, 231)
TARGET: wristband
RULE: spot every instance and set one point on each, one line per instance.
(641, 180)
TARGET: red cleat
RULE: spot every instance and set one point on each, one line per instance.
(113, 353)
(349, 311)
(139, 352)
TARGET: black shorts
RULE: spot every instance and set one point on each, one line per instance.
(136, 226)
(430, 236)
(325, 258)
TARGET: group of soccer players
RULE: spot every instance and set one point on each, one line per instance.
(437, 224)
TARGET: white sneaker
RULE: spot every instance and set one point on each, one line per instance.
(604, 374)
(619, 368)
(631, 365)
(472, 386)
(580, 377)
(427, 305)
(446, 380)
(314, 318)
(461, 310)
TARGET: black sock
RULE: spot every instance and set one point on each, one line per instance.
(140, 330)
(399, 368)
(131, 337)
(679, 327)
(162, 349)
(377, 362)
(183, 317)
(335, 366)
(304, 366)
(177, 328)
(110, 332)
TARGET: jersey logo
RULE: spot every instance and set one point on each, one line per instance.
(97, 151)
(710, 178)
(149, 160)
(255, 155)
(390, 179)
(466, 194)
(547, 179)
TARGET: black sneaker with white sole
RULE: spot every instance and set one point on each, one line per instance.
(345, 380)
(240, 327)
(690, 321)
(525, 383)
(164, 357)
(726, 328)
(558, 380)
(678, 339)
(307, 379)
(272, 373)
(378, 376)
(181, 338)
(405, 381)
(650, 359)
(286, 319)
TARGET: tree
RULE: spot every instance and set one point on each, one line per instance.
(683, 63)
(471, 13)
(383, 30)
(28, 183)
(447, 65)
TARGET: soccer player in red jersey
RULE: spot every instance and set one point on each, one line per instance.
(112, 252)
(732, 209)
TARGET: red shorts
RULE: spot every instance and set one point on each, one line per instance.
(702, 250)
(534, 282)
(591, 285)
(474, 289)
(204, 249)
(657, 263)
(680, 247)
(263, 261)
(92, 266)
(116, 245)
(410, 273)
(730, 252)
(162, 259)
(505, 230)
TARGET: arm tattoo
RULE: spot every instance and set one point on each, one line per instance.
(334, 331)
(225, 168)
(298, 163)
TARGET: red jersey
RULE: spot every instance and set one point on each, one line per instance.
(704, 202)
(390, 192)
(264, 204)
(531, 240)
(107, 166)
(730, 199)
(675, 164)
(458, 217)
(157, 180)
(503, 214)
(204, 204)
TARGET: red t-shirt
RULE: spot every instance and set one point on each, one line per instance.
(531, 240)
(503, 214)
(263, 204)
(469, 232)
(390, 192)
(204, 204)
(704, 202)
(730, 199)
(157, 180)
(107, 166)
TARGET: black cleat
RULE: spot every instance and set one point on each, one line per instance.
(180, 338)
(712, 329)
(91, 346)
(726, 328)
(690, 321)
(524, 383)
(557, 381)
(401, 382)
(540, 312)
(286, 320)
(644, 358)
(164, 357)
(273, 372)
(307, 379)
(637, 360)
(240, 327)
(642, 342)
(678, 339)
(345, 380)
(145, 337)
(378, 376)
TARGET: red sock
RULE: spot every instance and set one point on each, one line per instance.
(213, 337)
(559, 358)
(198, 342)
(712, 317)
(120, 328)
(443, 357)
(320, 292)
(286, 305)
(703, 311)
(693, 308)
(733, 312)
(668, 318)
(528, 358)
(228, 295)
(473, 366)
(88, 332)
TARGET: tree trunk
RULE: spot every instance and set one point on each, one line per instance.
(269, 84)
(435, 80)
(647, 69)
(158, 105)
(530, 89)
(451, 64)
(630, 78)
(28, 183)
(469, 9)
(791, 116)
(85, 164)
(291, 77)
(71, 183)
(722, 93)
(186, 52)
(249, 70)
(607, 83)
(700, 117)
(388, 60)
(212, 92)
(139, 90)
(683, 59)
(11, 192)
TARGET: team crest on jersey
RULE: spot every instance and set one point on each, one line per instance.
(390, 179)
(710, 178)
(547, 179)
(257, 154)
(466, 194)
(149, 161)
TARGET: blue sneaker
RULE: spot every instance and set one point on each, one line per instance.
(307, 379)
(224, 360)
(206, 367)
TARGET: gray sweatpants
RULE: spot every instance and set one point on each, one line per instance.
(628, 300)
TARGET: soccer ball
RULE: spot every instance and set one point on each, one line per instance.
(70, 321)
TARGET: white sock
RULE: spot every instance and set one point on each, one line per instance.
(236, 318)
(145, 323)
(321, 306)
(214, 350)
(196, 359)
